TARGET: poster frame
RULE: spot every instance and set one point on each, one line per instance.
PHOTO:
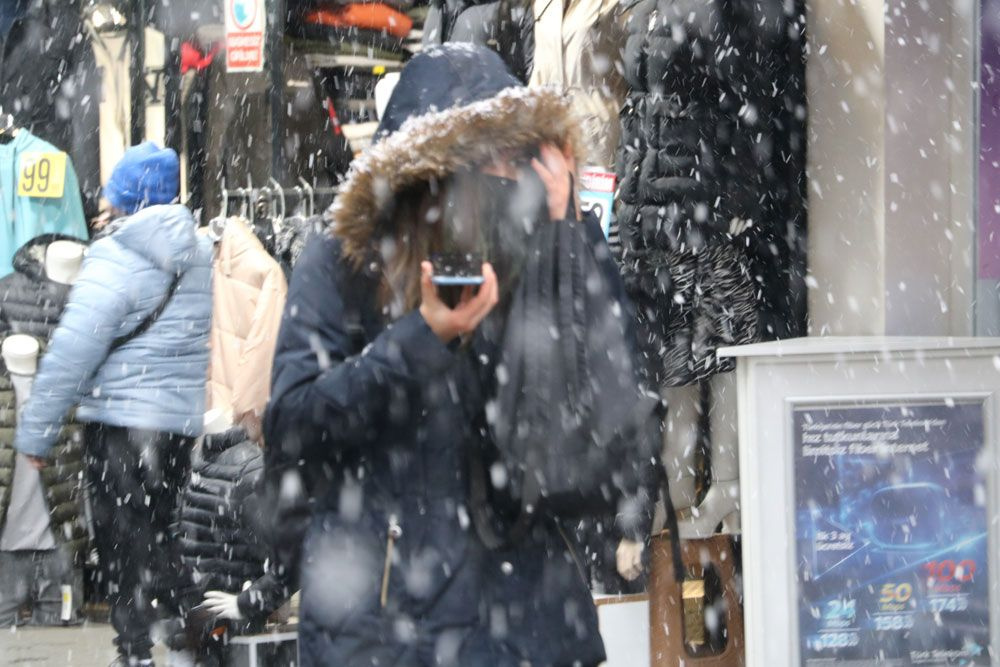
(988, 402)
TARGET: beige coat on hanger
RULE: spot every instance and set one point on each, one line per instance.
(248, 292)
(578, 47)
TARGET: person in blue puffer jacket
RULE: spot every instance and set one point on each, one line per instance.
(131, 351)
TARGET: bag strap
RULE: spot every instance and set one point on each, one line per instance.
(150, 319)
(675, 537)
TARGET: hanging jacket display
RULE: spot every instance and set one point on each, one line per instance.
(221, 522)
(61, 480)
(578, 49)
(365, 16)
(711, 214)
(50, 82)
(236, 144)
(248, 296)
(24, 217)
(505, 26)
(30, 303)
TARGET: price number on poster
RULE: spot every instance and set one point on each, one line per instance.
(833, 640)
(42, 175)
(947, 571)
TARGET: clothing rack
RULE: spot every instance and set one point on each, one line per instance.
(274, 192)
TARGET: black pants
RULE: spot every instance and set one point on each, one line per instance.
(135, 478)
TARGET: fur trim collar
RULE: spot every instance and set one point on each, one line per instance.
(434, 145)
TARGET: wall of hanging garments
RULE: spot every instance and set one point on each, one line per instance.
(39, 191)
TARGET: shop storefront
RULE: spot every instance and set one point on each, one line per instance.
(812, 188)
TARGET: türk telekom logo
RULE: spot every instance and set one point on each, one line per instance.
(244, 12)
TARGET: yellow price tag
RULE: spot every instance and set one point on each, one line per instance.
(378, 70)
(42, 175)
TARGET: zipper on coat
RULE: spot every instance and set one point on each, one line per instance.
(393, 533)
(572, 553)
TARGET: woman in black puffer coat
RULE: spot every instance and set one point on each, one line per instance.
(373, 384)
(711, 215)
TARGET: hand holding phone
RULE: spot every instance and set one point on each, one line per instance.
(474, 302)
(455, 271)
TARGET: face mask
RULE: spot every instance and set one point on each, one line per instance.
(510, 210)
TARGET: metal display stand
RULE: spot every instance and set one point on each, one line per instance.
(869, 491)
(264, 650)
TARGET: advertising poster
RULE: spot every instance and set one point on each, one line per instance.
(891, 534)
(597, 194)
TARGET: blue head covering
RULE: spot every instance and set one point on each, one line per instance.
(147, 175)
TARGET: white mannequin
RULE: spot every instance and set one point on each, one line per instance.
(20, 353)
(63, 260)
(721, 504)
(680, 440)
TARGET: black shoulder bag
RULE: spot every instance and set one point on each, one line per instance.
(150, 319)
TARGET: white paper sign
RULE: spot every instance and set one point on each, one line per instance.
(245, 33)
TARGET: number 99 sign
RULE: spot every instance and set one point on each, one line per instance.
(42, 175)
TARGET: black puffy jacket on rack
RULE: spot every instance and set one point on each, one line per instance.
(221, 523)
(711, 216)
(30, 303)
(505, 26)
(61, 480)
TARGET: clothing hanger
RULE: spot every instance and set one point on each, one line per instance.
(299, 212)
(276, 218)
(8, 128)
(217, 225)
(311, 194)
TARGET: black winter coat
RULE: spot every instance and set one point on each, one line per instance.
(384, 408)
(711, 213)
(50, 81)
(221, 523)
(30, 303)
(505, 26)
(62, 479)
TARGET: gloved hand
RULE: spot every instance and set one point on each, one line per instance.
(629, 559)
(222, 605)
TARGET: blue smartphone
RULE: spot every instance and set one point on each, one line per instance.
(453, 272)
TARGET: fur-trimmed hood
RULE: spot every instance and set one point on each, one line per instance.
(485, 112)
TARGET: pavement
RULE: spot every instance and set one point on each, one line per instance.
(87, 645)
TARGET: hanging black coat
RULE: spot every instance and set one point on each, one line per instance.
(30, 303)
(50, 82)
(711, 215)
(62, 480)
(221, 523)
(505, 26)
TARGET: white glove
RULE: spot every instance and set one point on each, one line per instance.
(222, 605)
(629, 559)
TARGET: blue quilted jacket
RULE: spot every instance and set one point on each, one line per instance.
(156, 380)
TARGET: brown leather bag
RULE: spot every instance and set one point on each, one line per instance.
(668, 645)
